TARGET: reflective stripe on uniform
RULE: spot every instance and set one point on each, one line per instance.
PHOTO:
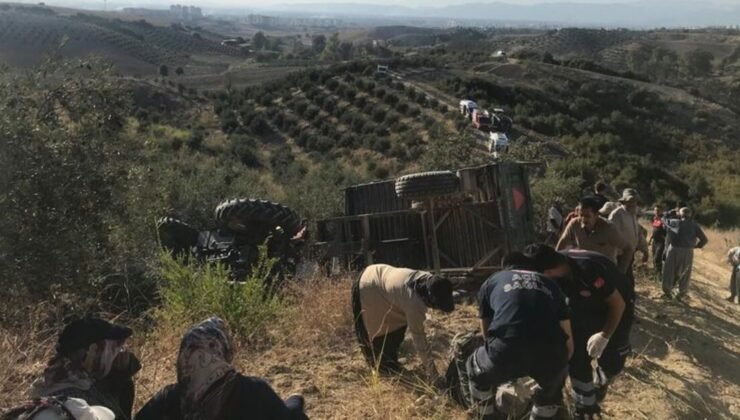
(545, 411)
(584, 393)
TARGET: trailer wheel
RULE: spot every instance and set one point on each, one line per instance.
(176, 236)
(427, 184)
(259, 214)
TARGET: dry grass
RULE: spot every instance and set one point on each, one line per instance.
(687, 363)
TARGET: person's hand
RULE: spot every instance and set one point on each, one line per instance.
(596, 345)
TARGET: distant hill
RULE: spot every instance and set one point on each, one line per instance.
(27, 32)
(646, 13)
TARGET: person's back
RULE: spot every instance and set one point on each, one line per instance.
(524, 319)
(209, 387)
(244, 395)
(521, 304)
(683, 233)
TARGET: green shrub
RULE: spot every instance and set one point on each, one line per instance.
(190, 293)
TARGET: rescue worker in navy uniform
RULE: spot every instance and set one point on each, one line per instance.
(601, 304)
(524, 319)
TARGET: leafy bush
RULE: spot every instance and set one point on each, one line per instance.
(191, 293)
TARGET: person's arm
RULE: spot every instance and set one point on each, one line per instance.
(271, 406)
(615, 308)
(165, 405)
(415, 315)
(565, 326)
(702, 237)
(626, 253)
(485, 311)
(598, 342)
(566, 239)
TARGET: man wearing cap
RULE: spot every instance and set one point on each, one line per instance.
(525, 323)
(601, 303)
(624, 218)
(591, 232)
(683, 235)
(386, 301)
(91, 363)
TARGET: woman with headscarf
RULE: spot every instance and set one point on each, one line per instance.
(209, 388)
(91, 363)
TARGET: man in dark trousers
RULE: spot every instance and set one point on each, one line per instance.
(386, 301)
(657, 240)
(524, 320)
(602, 309)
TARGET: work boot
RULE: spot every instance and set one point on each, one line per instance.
(592, 412)
(667, 296)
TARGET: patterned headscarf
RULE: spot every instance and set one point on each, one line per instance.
(204, 371)
(78, 370)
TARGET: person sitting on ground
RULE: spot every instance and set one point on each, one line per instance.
(657, 240)
(733, 257)
(624, 218)
(601, 304)
(525, 322)
(91, 363)
(684, 234)
(59, 408)
(385, 302)
(209, 388)
(591, 232)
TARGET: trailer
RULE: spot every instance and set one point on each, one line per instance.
(458, 223)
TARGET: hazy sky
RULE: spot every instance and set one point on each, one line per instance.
(266, 4)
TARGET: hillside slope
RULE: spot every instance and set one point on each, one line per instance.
(27, 33)
(685, 363)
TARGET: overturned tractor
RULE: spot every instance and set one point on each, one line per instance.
(241, 227)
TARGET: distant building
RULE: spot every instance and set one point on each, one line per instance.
(186, 13)
(273, 21)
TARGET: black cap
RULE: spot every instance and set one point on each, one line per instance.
(81, 333)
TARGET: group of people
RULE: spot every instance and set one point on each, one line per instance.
(90, 377)
(612, 228)
(549, 314)
(552, 312)
(546, 315)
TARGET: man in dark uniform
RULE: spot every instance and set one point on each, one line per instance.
(602, 309)
(524, 320)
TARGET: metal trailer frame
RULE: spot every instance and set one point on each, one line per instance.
(462, 235)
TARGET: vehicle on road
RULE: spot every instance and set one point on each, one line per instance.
(498, 145)
(481, 119)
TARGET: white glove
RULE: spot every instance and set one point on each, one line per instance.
(596, 345)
